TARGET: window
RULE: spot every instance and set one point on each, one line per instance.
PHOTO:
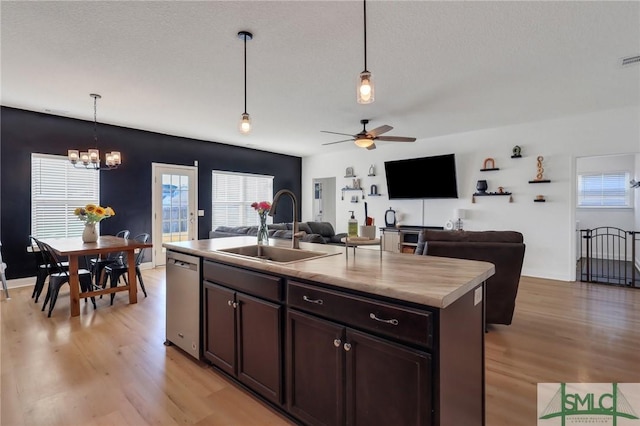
(604, 190)
(233, 194)
(57, 188)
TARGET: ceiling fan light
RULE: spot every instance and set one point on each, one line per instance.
(245, 124)
(365, 90)
(363, 142)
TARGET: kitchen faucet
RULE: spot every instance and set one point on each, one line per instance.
(295, 234)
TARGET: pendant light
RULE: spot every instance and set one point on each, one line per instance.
(365, 92)
(90, 159)
(245, 120)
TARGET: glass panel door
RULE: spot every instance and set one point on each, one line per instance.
(174, 212)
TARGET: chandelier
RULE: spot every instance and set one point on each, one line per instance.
(90, 159)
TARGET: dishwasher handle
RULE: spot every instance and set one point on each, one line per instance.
(182, 264)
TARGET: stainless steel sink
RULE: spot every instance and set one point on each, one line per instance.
(275, 254)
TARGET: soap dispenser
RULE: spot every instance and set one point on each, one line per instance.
(352, 229)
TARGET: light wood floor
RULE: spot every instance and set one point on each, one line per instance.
(110, 367)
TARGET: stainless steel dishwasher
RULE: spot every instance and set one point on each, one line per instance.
(183, 302)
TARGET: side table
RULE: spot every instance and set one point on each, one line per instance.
(359, 241)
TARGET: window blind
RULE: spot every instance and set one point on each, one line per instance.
(57, 188)
(233, 194)
(604, 190)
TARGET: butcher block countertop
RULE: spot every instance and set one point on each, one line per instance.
(426, 280)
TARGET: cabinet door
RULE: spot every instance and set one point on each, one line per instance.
(387, 384)
(315, 369)
(260, 346)
(391, 241)
(220, 327)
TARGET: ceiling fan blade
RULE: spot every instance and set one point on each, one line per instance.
(396, 139)
(372, 146)
(336, 133)
(379, 130)
(331, 143)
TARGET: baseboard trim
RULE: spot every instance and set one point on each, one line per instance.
(21, 282)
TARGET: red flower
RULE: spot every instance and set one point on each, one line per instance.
(262, 206)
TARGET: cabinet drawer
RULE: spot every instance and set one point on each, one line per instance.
(253, 283)
(401, 323)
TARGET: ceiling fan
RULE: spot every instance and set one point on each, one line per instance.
(366, 139)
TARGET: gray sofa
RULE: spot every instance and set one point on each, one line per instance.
(315, 232)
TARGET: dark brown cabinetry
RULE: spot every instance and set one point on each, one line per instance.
(349, 358)
(337, 375)
(242, 333)
(366, 380)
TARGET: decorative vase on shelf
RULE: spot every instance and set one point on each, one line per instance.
(89, 235)
(482, 186)
(263, 231)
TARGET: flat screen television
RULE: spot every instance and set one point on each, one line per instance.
(426, 177)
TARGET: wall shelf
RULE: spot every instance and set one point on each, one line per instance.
(540, 181)
(490, 170)
(516, 156)
(346, 188)
(539, 201)
(490, 194)
(375, 195)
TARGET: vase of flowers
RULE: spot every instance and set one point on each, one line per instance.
(90, 215)
(262, 208)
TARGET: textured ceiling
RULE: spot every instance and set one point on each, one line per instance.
(439, 67)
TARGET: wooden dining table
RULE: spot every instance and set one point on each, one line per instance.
(73, 248)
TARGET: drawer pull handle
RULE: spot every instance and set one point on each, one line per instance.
(316, 301)
(337, 343)
(347, 347)
(232, 304)
(389, 321)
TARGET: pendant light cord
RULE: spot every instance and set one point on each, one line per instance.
(365, 34)
(95, 120)
(245, 73)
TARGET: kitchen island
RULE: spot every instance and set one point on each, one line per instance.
(397, 339)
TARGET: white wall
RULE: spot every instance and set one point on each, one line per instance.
(548, 228)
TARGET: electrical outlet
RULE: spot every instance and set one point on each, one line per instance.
(477, 296)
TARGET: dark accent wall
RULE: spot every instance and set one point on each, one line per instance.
(127, 189)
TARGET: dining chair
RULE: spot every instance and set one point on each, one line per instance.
(3, 277)
(58, 276)
(97, 265)
(114, 271)
(42, 269)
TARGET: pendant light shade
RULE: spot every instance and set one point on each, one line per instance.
(365, 90)
(245, 124)
(245, 119)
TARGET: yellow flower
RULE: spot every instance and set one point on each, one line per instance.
(92, 213)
